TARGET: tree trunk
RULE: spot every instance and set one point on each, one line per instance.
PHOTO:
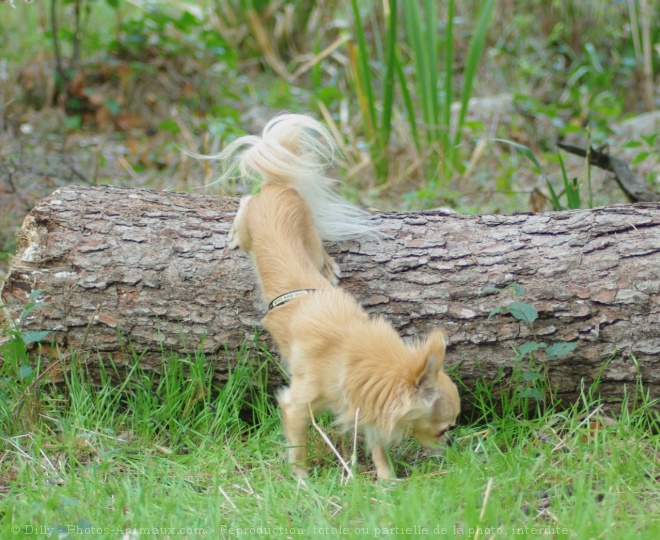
(148, 268)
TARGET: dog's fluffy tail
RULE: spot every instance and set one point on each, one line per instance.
(295, 151)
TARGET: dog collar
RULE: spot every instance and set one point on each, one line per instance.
(284, 298)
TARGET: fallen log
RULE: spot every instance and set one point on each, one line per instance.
(151, 269)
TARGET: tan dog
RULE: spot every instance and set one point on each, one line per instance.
(339, 358)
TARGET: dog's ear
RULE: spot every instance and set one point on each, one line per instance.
(433, 354)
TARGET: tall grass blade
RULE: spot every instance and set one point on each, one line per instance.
(571, 189)
(408, 103)
(421, 58)
(527, 152)
(556, 203)
(475, 50)
(378, 136)
(448, 72)
(360, 91)
(431, 48)
(363, 72)
(390, 67)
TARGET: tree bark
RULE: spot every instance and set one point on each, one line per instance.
(151, 269)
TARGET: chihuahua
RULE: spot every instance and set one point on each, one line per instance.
(338, 357)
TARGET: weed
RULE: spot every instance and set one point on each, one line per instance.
(15, 334)
(571, 191)
(646, 147)
(532, 357)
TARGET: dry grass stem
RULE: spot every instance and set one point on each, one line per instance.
(327, 441)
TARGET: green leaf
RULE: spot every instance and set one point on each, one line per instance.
(495, 311)
(523, 312)
(14, 350)
(489, 290)
(531, 393)
(531, 376)
(73, 123)
(169, 125)
(525, 151)
(557, 350)
(518, 290)
(529, 347)
(641, 156)
(113, 106)
(34, 294)
(633, 144)
(24, 372)
(33, 336)
(28, 309)
(650, 139)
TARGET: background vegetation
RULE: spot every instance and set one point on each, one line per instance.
(434, 103)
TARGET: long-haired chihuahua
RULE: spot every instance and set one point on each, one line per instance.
(338, 357)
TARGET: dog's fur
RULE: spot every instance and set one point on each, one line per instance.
(339, 358)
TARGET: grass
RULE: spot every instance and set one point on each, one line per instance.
(439, 150)
(180, 457)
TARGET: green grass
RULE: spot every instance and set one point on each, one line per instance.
(441, 145)
(181, 457)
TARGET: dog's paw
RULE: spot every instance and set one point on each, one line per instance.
(299, 472)
(331, 270)
(232, 238)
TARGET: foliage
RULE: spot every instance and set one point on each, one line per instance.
(15, 337)
(435, 131)
(393, 79)
(531, 357)
(646, 147)
(571, 191)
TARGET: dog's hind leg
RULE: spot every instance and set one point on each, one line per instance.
(295, 420)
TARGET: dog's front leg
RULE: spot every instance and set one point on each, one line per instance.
(382, 463)
(295, 420)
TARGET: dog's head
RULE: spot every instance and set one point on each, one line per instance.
(436, 404)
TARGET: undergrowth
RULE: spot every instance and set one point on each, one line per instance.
(123, 454)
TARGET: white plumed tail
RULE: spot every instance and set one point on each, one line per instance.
(295, 151)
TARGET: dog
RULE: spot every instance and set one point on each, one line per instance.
(339, 359)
